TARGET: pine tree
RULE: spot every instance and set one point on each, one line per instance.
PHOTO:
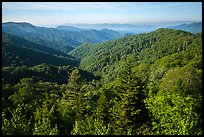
(102, 109)
(73, 87)
(131, 109)
(75, 93)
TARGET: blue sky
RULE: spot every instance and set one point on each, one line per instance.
(57, 13)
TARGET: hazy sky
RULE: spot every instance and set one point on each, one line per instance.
(56, 13)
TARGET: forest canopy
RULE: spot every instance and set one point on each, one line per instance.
(145, 84)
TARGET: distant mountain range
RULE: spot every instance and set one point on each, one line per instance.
(192, 27)
(62, 38)
(70, 28)
(139, 28)
(124, 28)
(66, 38)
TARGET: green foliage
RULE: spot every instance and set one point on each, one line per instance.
(185, 80)
(17, 124)
(44, 128)
(91, 126)
(43, 72)
(130, 109)
(46, 117)
(106, 58)
(151, 84)
(173, 114)
(102, 110)
(66, 116)
(75, 82)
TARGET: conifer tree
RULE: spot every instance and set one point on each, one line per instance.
(102, 108)
(75, 93)
(131, 109)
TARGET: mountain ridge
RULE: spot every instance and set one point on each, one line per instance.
(105, 57)
(18, 51)
(195, 27)
(59, 39)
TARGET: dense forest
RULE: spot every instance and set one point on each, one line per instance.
(145, 84)
(17, 51)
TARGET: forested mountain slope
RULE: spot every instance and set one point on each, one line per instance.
(44, 36)
(42, 72)
(107, 58)
(17, 51)
(94, 35)
(61, 38)
(147, 84)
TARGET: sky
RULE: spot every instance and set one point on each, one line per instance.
(57, 13)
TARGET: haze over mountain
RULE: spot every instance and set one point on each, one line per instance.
(195, 27)
(135, 28)
(70, 28)
(63, 39)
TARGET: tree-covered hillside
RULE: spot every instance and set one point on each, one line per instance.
(18, 51)
(43, 72)
(60, 38)
(147, 84)
(107, 58)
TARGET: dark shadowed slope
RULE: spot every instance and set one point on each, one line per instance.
(18, 51)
